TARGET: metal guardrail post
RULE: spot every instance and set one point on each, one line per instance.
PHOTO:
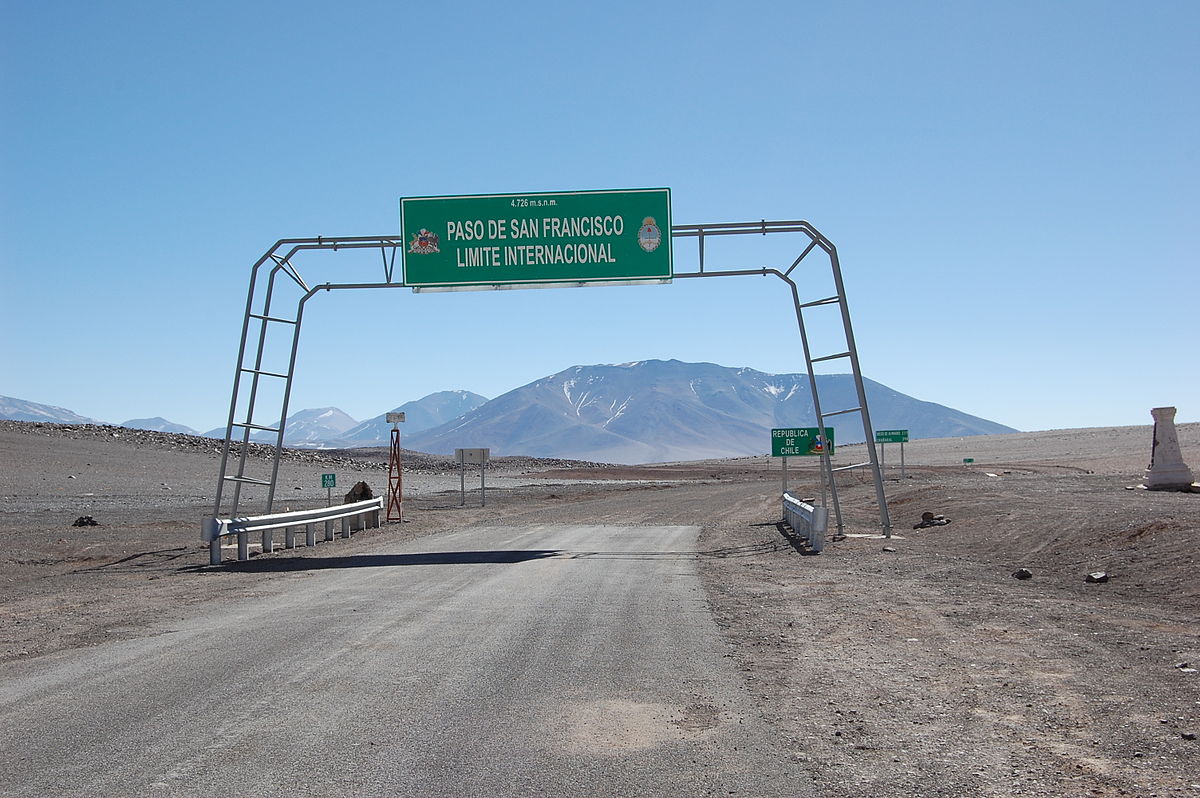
(807, 521)
(359, 515)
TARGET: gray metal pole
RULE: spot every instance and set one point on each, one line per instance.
(827, 467)
(868, 429)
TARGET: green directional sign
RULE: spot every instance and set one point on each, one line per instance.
(799, 442)
(891, 436)
(513, 240)
(329, 480)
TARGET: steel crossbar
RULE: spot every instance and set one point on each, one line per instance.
(281, 255)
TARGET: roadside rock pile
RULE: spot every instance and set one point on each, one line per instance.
(85, 520)
(929, 519)
(360, 492)
(362, 459)
(166, 440)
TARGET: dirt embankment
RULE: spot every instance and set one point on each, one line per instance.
(917, 665)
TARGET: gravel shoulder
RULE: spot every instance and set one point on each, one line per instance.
(926, 669)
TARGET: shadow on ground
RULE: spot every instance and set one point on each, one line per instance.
(276, 564)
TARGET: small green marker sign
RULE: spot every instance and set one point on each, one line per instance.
(329, 480)
(967, 460)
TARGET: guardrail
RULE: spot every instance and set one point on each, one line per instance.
(807, 521)
(357, 515)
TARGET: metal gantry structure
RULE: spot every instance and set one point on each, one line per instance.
(263, 318)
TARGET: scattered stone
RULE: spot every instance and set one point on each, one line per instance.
(85, 520)
(889, 548)
(929, 519)
(1186, 667)
(70, 476)
(1188, 735)
(1097, 577)
(1022, 573)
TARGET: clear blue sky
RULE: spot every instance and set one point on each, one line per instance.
(1014, 190)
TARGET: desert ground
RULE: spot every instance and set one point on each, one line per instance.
(915, 665)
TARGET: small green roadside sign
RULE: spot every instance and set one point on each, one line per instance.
(329, 480)
(799, 441)
(509, 240)
(891, 436)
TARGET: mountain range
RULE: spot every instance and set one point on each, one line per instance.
(426, 413)
(646, 411)
(23, 410)
(660, 411)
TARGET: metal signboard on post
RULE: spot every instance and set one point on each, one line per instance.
(329, 482)
(528, 240)
(478, 457)
(800, 442)
(899, 436)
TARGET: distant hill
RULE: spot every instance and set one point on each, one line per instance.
(314, 428)
(659, 411)
(24, 410)
(419, 415)
(158, 424)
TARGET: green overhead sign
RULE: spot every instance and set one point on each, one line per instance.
(799, 442)
(891, 436)
(513, 240)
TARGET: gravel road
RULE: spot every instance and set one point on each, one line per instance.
(566, 661)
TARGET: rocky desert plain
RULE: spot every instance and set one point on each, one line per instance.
(912, 666)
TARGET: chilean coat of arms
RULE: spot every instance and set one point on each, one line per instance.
(424, 243)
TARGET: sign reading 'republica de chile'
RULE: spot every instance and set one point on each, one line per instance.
(495, 240)
(799, 442)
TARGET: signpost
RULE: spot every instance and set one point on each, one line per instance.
(395, 481)
(899, 436)
(329, 482)
(526, 240)
(472, 456)
(801, 442)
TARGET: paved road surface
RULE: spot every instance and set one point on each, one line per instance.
(557, 661)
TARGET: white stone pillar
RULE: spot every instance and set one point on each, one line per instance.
(1167, 470)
